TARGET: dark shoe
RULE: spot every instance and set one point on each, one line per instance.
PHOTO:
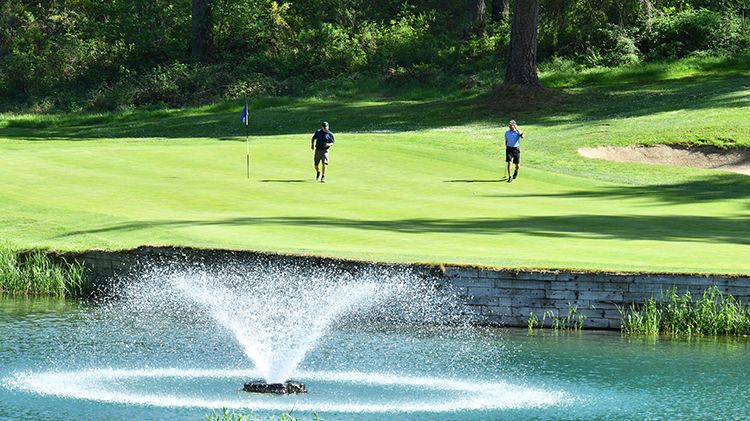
(317, 176)
(510, 179)
(515, 174)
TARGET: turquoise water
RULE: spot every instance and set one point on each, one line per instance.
(61, 361)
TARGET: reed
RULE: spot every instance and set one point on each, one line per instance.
(574, 321)
(713, 313)
(35, 274)
(233, 415)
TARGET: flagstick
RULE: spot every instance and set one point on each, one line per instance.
(247, 141)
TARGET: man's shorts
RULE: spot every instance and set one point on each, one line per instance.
(321, 155)
(512, 154)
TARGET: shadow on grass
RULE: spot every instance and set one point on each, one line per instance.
(710, 189)
(302, 116)
(497, 180)
(705, 229)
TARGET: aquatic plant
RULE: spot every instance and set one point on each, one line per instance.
(533, 322)
(574, 321)
(711, 314)
(34, 273)
(227, 415)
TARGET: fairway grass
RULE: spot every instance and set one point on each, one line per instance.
(409, 181)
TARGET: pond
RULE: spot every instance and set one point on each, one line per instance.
(69, 360)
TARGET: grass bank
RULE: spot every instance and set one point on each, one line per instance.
(411, 180)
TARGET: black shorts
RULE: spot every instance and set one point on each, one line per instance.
(512, 154)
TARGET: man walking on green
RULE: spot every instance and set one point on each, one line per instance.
(513, 148)
(321, 141)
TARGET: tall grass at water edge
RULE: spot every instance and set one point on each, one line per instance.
(227, 415)
(574, 321)
(35, 274)
(713, 313)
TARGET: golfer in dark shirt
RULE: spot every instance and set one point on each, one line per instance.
(321, 141)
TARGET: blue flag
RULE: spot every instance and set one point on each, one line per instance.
(245, 116)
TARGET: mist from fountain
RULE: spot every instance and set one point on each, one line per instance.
(278, 313)
(364, 341)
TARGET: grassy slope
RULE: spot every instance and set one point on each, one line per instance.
(410, 179)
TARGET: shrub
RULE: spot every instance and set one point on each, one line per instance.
(405, 41)
(330, 50)
(676, 35)
(611, 46)
(162, 85)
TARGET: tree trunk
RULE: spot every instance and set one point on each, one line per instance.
(475, 17)
(521, 67)
(201, 31)
(500, 10)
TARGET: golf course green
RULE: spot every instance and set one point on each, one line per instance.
(412, 179)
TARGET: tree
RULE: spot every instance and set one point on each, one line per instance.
(201, 32)
(500, 10)
(521, 67)
(475, 17)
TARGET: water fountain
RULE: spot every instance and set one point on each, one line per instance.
(362, 341)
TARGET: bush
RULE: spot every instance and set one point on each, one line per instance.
(162, 85)
(330, 50)
(611, 46)
(405, 41)
(677, 35)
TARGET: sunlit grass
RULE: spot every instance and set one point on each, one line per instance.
(411, 180)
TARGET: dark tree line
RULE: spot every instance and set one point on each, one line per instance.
(103, 54)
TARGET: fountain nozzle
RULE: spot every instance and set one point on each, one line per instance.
(286, 388)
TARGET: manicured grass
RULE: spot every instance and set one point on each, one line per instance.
(410, 181)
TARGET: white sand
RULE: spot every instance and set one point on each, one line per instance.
(736, 160)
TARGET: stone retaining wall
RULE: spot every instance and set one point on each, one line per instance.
(492, 296)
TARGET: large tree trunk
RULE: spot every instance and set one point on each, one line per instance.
(521, 67)
(475, 17)
(500, 10)
(201, 32)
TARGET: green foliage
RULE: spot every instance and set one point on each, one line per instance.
(711, 314)
(678, 34)
(611, 46)
(104, 56)
(35, 274)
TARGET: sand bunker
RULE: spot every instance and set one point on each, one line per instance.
(736, 160)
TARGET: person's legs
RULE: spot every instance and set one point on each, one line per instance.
(508, 159)
(325, 165)
(316, 161)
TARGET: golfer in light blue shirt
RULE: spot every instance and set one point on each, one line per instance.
(513, 148)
